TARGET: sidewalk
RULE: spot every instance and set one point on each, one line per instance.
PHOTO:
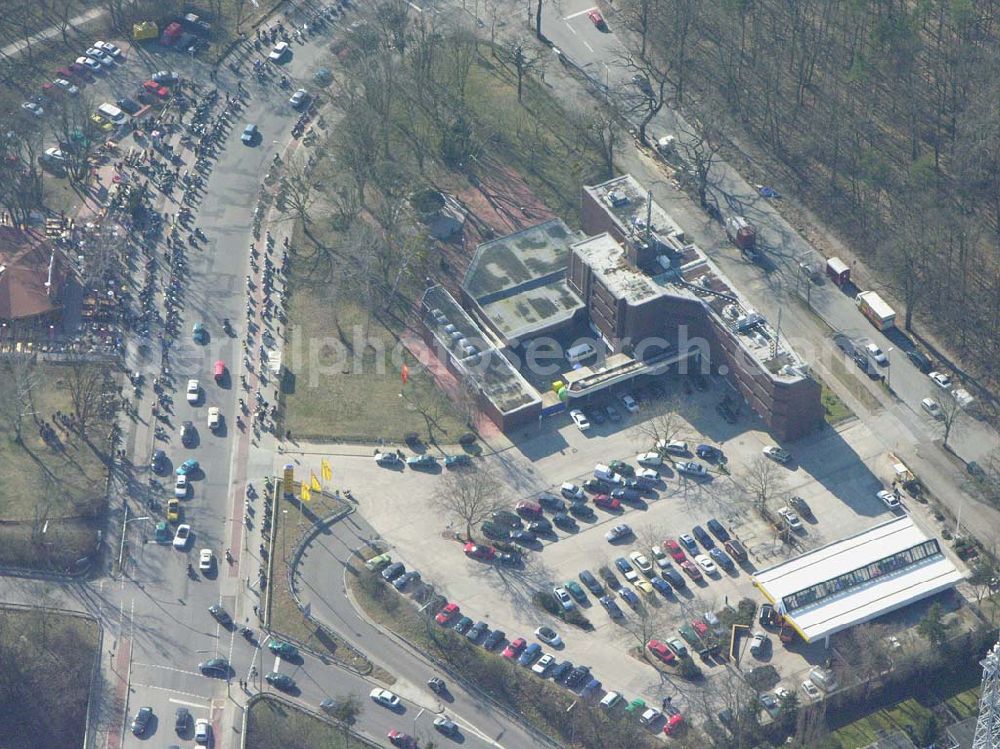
(15, 48)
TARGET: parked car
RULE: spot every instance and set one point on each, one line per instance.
(718, 530)
(889, 499)
(572, 492)
(182, 536)
(528, 509)
(543, 664)
(478, 551)
(627, 400)
(249, 134)
(790, 519)
(920, 360)
(278, 52)
(564, 521)
(514, 648)
(393, 571)
(692, 468)
(385, 698)
(706, 564)
(607, 502)
(736, 550)
(673, 447)
(141, 720)
(673, 577)
(759, 644)
(551, 502)
(675, 550)
(449, 612)
(493, 639)
(507, 518)
(580, 419)
(689, 543)
(617, 533)
(800, 505)
(932, 407)
(691, 570)
(549, 636)
(423, 461)
(592, 583)
(476, 631)
(777, 454)
(721, 558)
(611, 606)
(703, 538)
(563, 597)
(299, 98)
(708, 452)
(877, 354)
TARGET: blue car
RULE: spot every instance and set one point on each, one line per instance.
(703, 537)
(718, 530)
(708, 452)
(722, 558)
(629, 595)
(613, 609)
(188, 466)
(661, 585)
(530, 654)
(687, 540)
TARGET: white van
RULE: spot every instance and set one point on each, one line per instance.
(112, 113)
(604, 473)
(576, 353)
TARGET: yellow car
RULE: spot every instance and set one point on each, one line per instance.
(644, 585)
(173, 510)
(101, 123)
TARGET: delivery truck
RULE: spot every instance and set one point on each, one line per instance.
(874, 307)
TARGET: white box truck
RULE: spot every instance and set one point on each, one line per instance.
(874, 307)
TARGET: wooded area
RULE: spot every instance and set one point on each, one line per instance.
(883, 115)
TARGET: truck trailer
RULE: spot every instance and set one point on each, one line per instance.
(874, 307)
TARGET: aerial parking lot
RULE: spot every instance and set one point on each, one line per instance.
(670, 566)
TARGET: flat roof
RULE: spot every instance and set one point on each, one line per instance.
(518, 281)
(858, 578)
(684, 269)
(607, 261)
(474, 353)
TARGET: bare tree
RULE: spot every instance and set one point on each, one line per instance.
(951, 414)
(605, 123)
(17, 403)
(654, 89)
(644, 626)
(664, 427)
(86, 384)
(763, 479)
(470, 497)
(346, 709)
(297, 197)
(700, 146)
(522, 60)
(865, 653)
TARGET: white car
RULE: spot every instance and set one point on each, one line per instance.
(706, 564)
(877, 354)
(544, 663)
(205, 559)
(650, 474)
(192, 391)
(759, 644)
(54, 155)
(649, 459)
(565, 599)
(182, 536)
(650, 716)
(300, 97)
(387, 459)
(888, 499)
(214, 418)
(777, 454)
(89, 63)
(101, 56)
(278, 53)
(202, 731)
(811, 690)
(549, 636)
(384, 697)
(108, 48)
(932, 407)
(572, 492)
(641, 561)
(181, 487)
(660, 557)
(32, 108)
(692, 468)
(629, 402)
(619, 531)
(580, 419)
(66, 86)
(790, 518)
(942, 380)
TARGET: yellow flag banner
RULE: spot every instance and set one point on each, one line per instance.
(325, 470)
(304, 492)
(314, 482)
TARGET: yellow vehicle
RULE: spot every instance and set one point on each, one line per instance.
(101, 123)
(173, 510)
(145, 30)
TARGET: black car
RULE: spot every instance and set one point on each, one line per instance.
(596, 415)
(507, 518)
(766, 615)
(493, 639)
(633, 484)
(129, 106)
(610, 579)
(920, 360)
(526, 538)
(393, 571)
(182, 719)
(284, 682)
(141, 720)
(551, 502)
(215, 667)
(673, 577)
(718, 530)
(159, 461)
(187, 433)
(592, 583)
(508, 558)
(596, 486)
(612, 413)
(709, 453)
(220, 614)
(560, 671)
(542, 525)
(800, 506)
(626, 495)
(703, 538)
(496, 531)
(564, 521)
(477, 630)
(581, 510)
(578, 677)
(463, 625)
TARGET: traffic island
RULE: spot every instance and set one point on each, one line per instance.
(276, 723)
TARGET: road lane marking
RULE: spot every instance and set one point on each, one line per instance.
(580, 13)
(570, 27)
(166, 689)
(585, 44)
(199, 705)
(167, 668)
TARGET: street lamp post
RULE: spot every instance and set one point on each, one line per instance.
(888, 367)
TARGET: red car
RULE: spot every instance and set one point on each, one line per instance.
(608, 503)
(675, 550)
(445, 615)
(398, 738)
(478, 551)
(673, 723)
(64, 73)
(690, 570)
(661, 651)
(155, 88)
(597, 19)
(529, 509)
(700, 626)
(513, 650)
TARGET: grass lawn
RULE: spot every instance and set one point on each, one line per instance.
(284, 615)
(337, 391)
(863, 732)
(965, 704)
(47, 660)
(275, 724)
(38, 482)
(834, 409)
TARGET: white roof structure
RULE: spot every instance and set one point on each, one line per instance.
(858, 578)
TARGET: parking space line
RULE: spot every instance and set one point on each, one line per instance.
(165, 668)
(199, 705)
(580, 13)
(167, 689)
(570, 27)
(585, 44)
